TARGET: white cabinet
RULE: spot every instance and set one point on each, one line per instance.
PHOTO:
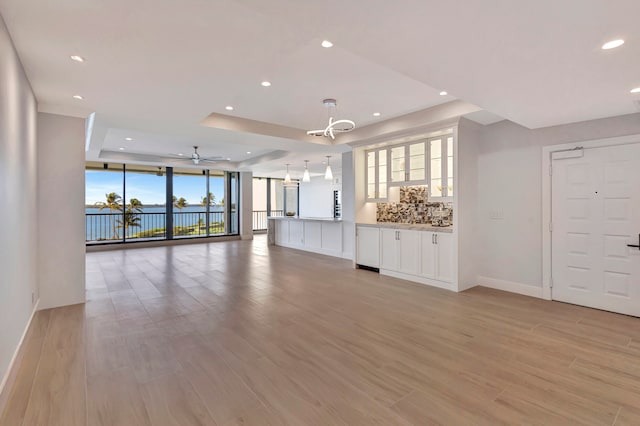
(368, 246)
(422, 256)
(388, 249)
(399, 251)
(423, 162)
(377, 174)
(436, 255)
(444, 244)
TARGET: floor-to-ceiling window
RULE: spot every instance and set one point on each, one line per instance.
(144, 208)
(129, 203)
(268, 200)
(103, 202)
(189, 203)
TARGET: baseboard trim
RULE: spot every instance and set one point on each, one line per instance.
(9, 376)
(417, 279)
(510, 286)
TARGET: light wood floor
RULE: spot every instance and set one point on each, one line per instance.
(239, 333)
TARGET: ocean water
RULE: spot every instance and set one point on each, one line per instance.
(105, 225)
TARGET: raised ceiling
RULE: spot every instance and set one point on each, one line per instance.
(156, 70)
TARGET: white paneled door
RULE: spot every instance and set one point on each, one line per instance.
(595, 216)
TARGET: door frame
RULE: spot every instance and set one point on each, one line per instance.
(547, 152)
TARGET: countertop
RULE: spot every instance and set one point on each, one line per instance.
(319, 219)
(414, 226)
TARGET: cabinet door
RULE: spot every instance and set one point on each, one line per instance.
(398, 164)
(368, 246)
(389, 249)
(444, 242)
(441, 172)
(417, 162)
(372, 180)
(428, 255)
(382, 174)
(409, 247)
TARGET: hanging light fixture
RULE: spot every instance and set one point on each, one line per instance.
(334, 126)
(287, 177)
(305, 176)
(328, 175)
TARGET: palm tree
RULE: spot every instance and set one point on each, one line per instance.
(179, 203)
(131, 217)
(211, 199)
(112, 203)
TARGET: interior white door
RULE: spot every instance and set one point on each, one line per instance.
(595, 216)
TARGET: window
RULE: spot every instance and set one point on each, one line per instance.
(103, 202)
(189, 203)
(145, 204)
(215, 225)
(129, 203)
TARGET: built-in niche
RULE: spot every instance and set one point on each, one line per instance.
(410, 204)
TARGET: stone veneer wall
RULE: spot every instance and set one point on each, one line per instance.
(413, 207)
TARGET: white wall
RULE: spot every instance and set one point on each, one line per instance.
(510, 184)
(18, 217)
(466, 193)
(246, 205)
(61, 235)
(316, 197)
(348, 206)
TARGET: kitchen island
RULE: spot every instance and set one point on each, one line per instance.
(315, 234)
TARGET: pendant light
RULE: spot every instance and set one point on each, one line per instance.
(305, 176)
(287, 177)
(327, 173)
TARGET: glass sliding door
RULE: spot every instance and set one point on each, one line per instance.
(277, 197)
(260, 207)
(189, 203)
(233, 208)
(216, 203)
(104, 190)
(129, 203)
(145, 205)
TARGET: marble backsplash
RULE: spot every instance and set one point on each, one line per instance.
(413, 207)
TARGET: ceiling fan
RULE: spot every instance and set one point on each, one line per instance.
(335, 126)
(196, 158)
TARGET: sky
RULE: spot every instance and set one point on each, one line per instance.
(149, 188)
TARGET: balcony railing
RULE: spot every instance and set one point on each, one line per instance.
(150, 226)
(260, 218)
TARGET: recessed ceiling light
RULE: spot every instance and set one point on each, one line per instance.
(248, 152)
(326, 43)
(128, 139)
(121, 148)
(228, 159)
(376, 114)
(266, 83)
(636, 90)
(77, 58)
(78, 97)
(180, 154)
(443, 93)
(612, 44)
(229, 108)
